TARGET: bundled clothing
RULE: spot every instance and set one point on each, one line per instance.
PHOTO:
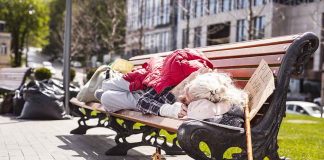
(115, 95)
(160, 74)
(147, 88)
(148, 71)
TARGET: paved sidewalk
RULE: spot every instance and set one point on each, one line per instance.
(49, 140)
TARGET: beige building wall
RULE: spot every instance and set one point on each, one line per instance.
(5, 40)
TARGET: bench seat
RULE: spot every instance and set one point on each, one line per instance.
(168, 124)
(12, 78)
(286, 57)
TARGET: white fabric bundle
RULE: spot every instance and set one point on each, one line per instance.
(170, 110)
(203, 109)
(213, 94)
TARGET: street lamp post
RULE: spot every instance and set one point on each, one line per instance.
(66, 54)
(30, 12)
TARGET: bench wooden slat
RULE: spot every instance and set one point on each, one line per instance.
(272, 60)
(92, 105)
(246, 44)
(240, 83)
(247, 52)
(241, 52)
(168, 124)
(6, 77)
(12, 78)
(13, 70)
(245, 72)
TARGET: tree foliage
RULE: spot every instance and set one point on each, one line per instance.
(56, 29)
(27, 21)
(98, 27)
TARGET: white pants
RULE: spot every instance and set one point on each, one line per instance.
(117, 96)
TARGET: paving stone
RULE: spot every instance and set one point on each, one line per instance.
(51, 140)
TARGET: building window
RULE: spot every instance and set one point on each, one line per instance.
(161, 12)
(3, 49)
(207, 7)
(259, 26)
(241, 30)
(184, 38)
(241, 4)
(200, 8)
(226, 5)
(213, 7)
(197, 37)
(259, 2)
(195, 6)
(184, 9)
(218, 33)
(167, 42)
(167, 11)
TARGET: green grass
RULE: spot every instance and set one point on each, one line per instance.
(297, 140)
(302, 141)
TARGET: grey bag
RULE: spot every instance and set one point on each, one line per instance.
(43, 100)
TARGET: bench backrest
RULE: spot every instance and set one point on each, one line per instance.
(12, 78)
(241, 59)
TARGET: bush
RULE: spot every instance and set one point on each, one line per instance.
(42, 73)
(72, 74)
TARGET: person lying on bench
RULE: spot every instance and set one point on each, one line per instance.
(209, 96)
(158, 74)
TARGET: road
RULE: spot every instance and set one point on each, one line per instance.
(36, 59)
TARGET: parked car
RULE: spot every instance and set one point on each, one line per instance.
(76, 64)
(302, 107)
(318, 101)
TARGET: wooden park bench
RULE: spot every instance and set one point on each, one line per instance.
(286, 57)
(11, 79)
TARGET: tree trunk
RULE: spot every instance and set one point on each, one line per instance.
(250, 21)
(15, 48)
(188, 22)
(140, 43)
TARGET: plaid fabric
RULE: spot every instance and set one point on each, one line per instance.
(151, 102)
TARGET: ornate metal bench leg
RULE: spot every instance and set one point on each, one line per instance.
(174, 150)
(87, 115)
(150, 137)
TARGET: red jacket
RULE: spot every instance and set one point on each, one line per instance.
(175, 68)
(137, 76)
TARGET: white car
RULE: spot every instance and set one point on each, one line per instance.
(301, 107)
(76, 64)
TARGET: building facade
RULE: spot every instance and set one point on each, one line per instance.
(151, 26)
(161, 25)
(5, 40)
(165, 25)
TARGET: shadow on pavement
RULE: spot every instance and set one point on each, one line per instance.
(93, 147)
